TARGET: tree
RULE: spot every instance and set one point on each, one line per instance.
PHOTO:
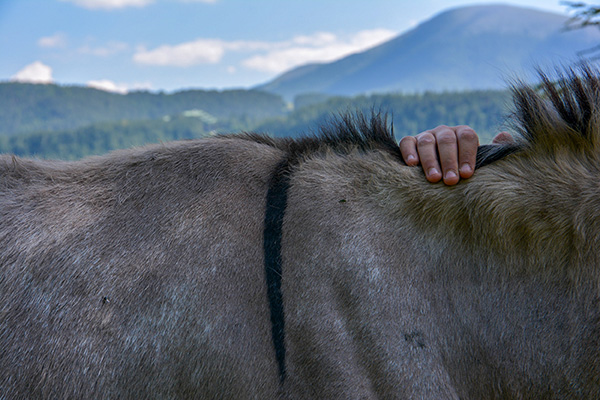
(584, 15)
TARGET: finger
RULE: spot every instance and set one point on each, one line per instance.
(448, 153)
(468, 141)
(426, 146)
(408, 148)
(503, 138)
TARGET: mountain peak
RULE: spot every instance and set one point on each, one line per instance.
(464, 48)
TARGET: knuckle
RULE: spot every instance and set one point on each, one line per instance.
(407, 141)
(446, 137)
(425, 138)
(467, 134)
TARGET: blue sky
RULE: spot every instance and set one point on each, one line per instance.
(169, 45)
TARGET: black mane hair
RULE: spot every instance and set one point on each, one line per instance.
(342, 134)
(348, 132)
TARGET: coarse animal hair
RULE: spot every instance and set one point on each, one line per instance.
(243, 266)
(560, 113)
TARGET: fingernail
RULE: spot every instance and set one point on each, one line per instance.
(432, 171)
(466, 168)
(410, 158)
(450, 175)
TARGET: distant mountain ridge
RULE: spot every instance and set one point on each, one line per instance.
(466, 48)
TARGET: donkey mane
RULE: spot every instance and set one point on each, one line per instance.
(342, 135)
(562, 112)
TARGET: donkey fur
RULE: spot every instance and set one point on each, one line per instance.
(139, 274)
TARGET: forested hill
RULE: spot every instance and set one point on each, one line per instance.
(483, 110)
(28, 108)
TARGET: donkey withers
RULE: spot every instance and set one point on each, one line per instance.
(246, 267)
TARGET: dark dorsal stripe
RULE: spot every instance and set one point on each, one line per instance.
(275, 211)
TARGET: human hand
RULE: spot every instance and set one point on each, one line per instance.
(445, 152)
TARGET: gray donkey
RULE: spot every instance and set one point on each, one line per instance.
(245, 267)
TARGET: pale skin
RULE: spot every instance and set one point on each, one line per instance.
(446, 152)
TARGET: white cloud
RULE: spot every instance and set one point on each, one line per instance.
(122, 88)
(109, 49)
(109, 4)
(271, 57)
(57, 40)
(316, 40)
(36, 72)
(201, 51)
(321, 47)
(107, 86)
(366, 39)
